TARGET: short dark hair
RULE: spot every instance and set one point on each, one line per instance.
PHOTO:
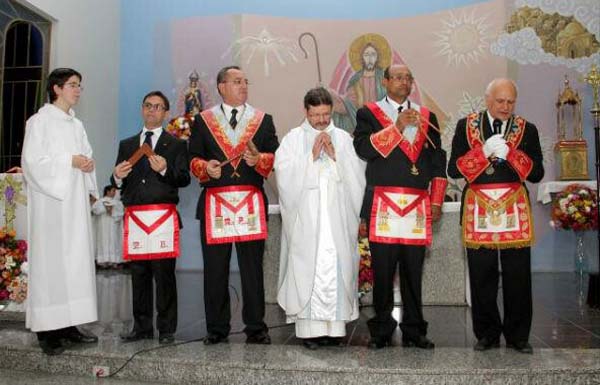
(316, 97)
(386, 72)
(107, 189)
(59, 77)
(223, 72)
(160, 95)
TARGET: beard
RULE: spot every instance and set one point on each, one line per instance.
(369, 66)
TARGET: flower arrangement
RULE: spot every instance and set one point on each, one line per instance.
(13, 267)
(365, 271)
(575, 208)
(181, 126)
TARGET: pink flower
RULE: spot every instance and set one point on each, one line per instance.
(4, 294)
(22, 245)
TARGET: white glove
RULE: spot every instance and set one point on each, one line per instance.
(490, 145)
(501, 150)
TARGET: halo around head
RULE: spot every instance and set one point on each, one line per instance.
(357, 47)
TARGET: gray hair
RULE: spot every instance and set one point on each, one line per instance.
(495, 82)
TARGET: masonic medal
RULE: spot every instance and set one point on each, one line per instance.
(414, 170)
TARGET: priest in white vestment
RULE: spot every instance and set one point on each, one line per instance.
(321, 182)
(59, 171)
(108, 212)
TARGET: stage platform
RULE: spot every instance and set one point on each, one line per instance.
(565, 336)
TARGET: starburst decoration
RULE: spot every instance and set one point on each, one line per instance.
(463, 39)
(265, 45)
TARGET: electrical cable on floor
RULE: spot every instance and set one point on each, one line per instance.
(185, 342)
(237, 296)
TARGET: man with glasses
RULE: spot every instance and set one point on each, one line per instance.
(321, 182)
(60, 172)
(406, 182)
(151, 186)
(232, 148)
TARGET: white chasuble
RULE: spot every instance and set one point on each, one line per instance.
(320, 204)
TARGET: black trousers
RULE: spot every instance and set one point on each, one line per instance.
(216, 285)
(385, 258)
(163, 272)
(516, 291)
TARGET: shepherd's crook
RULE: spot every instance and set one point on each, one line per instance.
(316, 51)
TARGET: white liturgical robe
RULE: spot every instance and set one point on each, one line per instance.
(109, 229)
(320, 204)
(62, 283)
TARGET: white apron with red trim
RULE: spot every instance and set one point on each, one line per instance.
(400, 215)
(150, 232)
(497, 215)
(234, 214)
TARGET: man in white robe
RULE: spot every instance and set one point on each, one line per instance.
(321, 182)
(108, 212)
(59, 171)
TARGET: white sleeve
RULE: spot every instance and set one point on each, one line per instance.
(47, 173)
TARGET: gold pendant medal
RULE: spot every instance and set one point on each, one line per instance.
(414, 170)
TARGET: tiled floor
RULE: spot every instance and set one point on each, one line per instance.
(561, 318)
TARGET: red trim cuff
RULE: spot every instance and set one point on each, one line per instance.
(520, 162)
(472, 164)
(198, 169)
(386, 140)
(438, 190)
(264, 166)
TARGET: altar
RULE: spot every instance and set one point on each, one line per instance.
(444, 273)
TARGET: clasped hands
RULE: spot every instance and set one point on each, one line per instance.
(406, 118)
(495, 147)
(82, 163)
(323, 144)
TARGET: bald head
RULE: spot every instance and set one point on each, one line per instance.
(500, 98)
(501, 82)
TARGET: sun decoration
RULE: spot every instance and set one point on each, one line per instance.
(266, 45)
(464, 38)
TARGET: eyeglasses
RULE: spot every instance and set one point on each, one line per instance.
(325, 116)
(401, 78)
(153, 107)
(74, 86)
(238, 82)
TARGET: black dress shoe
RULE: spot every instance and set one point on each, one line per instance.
(259, 339)
(420, 342)
(380, 342)
(75, 336)
(166, 338)
(136, 336)
(52, 346)
(521, 347)
(311, 343)
(213, 339)
(486, 344)
(331, 341)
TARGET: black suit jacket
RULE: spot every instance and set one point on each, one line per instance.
(503, 171)
(395, 169)
(150, 188)
(203, 145)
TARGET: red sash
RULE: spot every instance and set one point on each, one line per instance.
(234, 214)
(150, 232)
(411, 150)
(400, 215)
(218, 132)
